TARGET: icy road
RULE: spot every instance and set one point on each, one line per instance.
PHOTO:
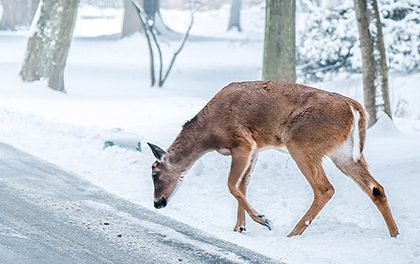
(50, 216)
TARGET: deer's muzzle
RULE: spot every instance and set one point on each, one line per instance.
(162, 202)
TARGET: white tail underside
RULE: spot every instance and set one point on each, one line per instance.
(356, 135)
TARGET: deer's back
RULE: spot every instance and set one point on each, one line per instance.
(274, 112)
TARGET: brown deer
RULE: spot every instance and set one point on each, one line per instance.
(247, 117)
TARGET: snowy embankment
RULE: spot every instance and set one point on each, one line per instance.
(108, 88)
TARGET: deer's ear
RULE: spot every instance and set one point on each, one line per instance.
(157, 152)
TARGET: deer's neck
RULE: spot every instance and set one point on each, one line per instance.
(187, 148)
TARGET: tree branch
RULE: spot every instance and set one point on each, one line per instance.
(146, 26)
(151, 36)
(184, 40)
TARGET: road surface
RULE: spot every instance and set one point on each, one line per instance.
(48, 215)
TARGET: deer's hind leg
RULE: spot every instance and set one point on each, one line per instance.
(359, 173)
(311, 168)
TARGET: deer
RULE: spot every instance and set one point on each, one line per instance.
(245, 118)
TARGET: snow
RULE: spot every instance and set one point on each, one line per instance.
(385, 127)
(108, 88)
(95, 21)
(219, 18)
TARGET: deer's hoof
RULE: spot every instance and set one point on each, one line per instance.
(240, 229)
(395, 234)
(266, 222)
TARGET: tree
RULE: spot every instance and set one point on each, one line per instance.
(235, 15)
(49, 43)
(149, 24)
(374, 66)
(151, 8)
(279, 60)
(131, 21)
(17, 13)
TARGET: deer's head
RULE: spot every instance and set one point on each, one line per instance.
(166, 177)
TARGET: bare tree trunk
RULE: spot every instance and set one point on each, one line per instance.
(151, 7)
(34, 7)
(235, 15)
(131, 23)
(49, 44)
(16, 13)
(368, 64)
(279, 61)
(152, 41)
(381, 60)
(374, 68)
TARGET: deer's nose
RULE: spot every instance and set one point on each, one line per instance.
(160, 203)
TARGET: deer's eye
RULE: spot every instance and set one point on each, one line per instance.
(155, 175)
(155, 164)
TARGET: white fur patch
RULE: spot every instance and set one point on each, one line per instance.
(254, 147)
(345, 150)
(350, 149)
(356, 135)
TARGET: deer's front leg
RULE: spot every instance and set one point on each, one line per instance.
(242, 159)
(240, 220)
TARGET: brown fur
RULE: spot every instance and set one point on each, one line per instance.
(245, 117)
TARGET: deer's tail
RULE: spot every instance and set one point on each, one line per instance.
(359, 129)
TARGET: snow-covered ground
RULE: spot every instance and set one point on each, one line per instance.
(107, 85)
